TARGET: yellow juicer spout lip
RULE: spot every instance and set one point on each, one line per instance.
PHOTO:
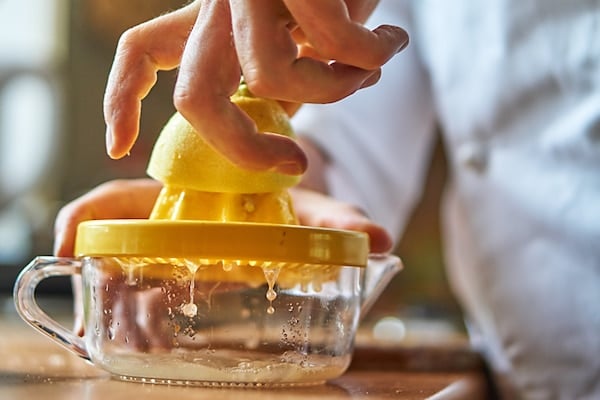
(220, 240)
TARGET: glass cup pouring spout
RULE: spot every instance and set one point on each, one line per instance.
(380, 270)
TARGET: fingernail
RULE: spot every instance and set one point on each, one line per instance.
(289, 168)
(371, 80)
(403, 45)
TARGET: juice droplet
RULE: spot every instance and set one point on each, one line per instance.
(271, 275)
(271, 295)
(249, 205)
(227, 266)
(190, 310)
(318, 286)
(131, 279)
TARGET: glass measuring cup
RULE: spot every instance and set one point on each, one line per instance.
(197, 303)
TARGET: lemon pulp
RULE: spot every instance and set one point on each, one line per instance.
(178, 203)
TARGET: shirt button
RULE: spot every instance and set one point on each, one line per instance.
(474, 156)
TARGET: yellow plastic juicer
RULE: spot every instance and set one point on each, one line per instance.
(233, 224)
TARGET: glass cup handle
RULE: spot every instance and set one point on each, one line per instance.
(36, 271)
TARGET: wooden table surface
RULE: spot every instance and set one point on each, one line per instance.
(33, 367)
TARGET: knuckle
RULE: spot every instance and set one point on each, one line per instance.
(336, 42)
(194, 104)
(181, 100)
(328, 46)
(61, 217)
(130, 40)
(185, 101)
(264, 81)
(68, 215)
(130, 48)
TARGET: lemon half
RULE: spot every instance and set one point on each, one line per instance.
(201, 184)
(182, 158)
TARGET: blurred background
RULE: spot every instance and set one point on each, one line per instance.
(55, 56)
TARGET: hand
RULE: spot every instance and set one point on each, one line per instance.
(135, 199)
(283, 53)
(316, 209)
(116, 199)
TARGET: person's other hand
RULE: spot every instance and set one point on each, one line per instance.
(117, 199)
(316, 209)
(134, 198)
(114, 199)
(289, 50)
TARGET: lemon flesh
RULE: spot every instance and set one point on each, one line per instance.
(176, 203)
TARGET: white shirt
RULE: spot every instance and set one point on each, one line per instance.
(515, 87)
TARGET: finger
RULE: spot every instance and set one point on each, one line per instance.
(328, 26)
(269, 59)
(115, 199)
(272, 65)
(307, 51)
(209, 75)
(315, 209)
(141, 52)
